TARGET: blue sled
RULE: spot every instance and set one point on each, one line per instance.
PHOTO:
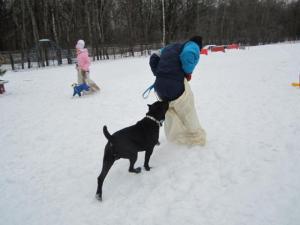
(78, 88)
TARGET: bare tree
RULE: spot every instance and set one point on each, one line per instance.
(130, 22)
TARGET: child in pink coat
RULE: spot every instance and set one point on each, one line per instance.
(83, 66)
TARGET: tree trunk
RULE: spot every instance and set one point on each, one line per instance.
(88, 23)
(34, 31)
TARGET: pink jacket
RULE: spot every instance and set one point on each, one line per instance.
(83, 60)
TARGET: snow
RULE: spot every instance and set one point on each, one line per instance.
(248, 173)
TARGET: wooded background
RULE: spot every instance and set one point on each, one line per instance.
(130, 22)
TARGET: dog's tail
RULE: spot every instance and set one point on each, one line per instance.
(106, 133)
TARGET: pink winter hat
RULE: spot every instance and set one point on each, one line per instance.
(80, 44)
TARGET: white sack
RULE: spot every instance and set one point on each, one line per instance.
(181, 124)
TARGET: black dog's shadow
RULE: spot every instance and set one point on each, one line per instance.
(126, 143)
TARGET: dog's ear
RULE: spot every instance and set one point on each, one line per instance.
(148, 106)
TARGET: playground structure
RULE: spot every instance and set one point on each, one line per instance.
(41, 54)
(233, 46)
(2, 72)
(204, 51)
(220, 48)
(2, 88)
(44, 51)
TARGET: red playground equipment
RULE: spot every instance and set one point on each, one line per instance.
(2, 89)
(218, 49)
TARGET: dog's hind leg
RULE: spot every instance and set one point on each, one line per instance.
(131, 166)
(108, 161)
(147, 158)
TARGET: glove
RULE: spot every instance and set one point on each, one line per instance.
(188, 76)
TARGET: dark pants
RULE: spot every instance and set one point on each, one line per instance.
(168, 89)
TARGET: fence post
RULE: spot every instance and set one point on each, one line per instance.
(46, 56)
(28, 60)
(22, 59)
(97, 53)
(69, 57)
(106, 53)
(114, 52)
(58, 55)
(12, 62)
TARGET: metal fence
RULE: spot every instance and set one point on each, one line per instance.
(50, 56)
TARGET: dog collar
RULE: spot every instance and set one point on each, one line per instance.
(159, 122)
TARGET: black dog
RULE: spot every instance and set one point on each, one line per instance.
(126, 143)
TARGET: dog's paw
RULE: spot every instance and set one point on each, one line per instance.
(136, 170)
(147, 168)
(98, 197)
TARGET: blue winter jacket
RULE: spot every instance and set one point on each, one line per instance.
(171, 67)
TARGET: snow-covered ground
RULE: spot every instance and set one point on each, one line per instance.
(52, 145)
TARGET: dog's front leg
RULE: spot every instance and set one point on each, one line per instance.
(131, 166)
(147, 158)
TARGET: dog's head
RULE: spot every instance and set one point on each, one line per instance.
(158, 110)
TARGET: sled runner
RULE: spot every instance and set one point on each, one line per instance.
(296, 84)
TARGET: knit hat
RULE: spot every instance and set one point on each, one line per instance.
(197, 40)
(80, 44)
